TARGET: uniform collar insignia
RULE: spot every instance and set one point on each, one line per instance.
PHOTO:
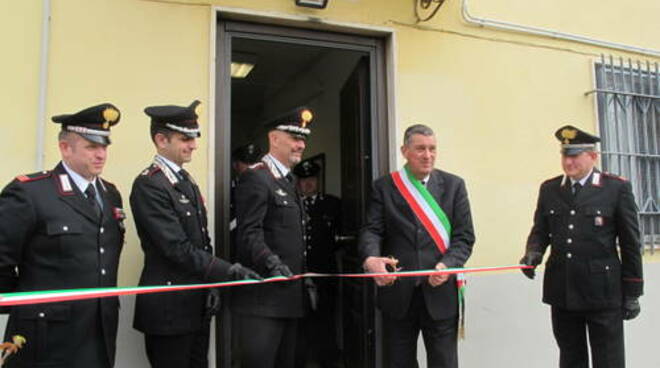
(65, 183)
(281, 192)
(169, 174)
(595, 179)
(563, 180)
(272, 167)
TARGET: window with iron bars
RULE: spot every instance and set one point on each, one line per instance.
(628, 98)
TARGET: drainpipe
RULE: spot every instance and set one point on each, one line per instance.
(512, 27)
(43, 85)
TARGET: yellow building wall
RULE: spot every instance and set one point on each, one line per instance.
(494, 98)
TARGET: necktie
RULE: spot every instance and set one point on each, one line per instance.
(188, 185)
(90, 192)
(576, 187)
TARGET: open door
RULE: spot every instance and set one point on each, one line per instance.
(341, 78)
(358, 332)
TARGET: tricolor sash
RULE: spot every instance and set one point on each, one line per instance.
(435, 221)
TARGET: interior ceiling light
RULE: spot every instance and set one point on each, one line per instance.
(242, 64)
(318, 4)
(240, 70)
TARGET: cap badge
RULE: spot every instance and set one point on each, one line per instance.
(110, 115)
(306, 116)
(568, 134)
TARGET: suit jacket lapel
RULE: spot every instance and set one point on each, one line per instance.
(73, 197)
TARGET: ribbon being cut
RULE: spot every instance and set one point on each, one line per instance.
(49, 296)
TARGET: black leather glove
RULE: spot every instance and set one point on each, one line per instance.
(531, 258)
(276, 268)
(631, 308)
(213, 303)
(239, 272)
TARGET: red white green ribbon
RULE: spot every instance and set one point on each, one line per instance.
(49, 296)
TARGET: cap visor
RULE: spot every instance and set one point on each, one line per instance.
(96, 138)
(574, 151)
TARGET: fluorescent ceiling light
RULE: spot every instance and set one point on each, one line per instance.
(319, 4)
(240, 70)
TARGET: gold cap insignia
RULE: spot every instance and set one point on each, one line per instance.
(567, 134)
(306, 116)
(110, 115)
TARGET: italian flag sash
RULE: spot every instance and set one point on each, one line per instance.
(434, 220)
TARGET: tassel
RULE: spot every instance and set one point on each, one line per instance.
(461, 285)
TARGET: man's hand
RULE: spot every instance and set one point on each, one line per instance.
(531, 258)
(631, 308)
(276, 267)
(437, 280)
(213, 303)
(379, 265)
(239, 272)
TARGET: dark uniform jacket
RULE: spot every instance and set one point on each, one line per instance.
(51, 234)
(171, 222)
(392, 229)
(270, 221)
(584, 270)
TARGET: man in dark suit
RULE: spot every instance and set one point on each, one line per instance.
(394, 230)
(63, 229)
(317, 340)
(590, 284)
(271, 240)
(171, 221)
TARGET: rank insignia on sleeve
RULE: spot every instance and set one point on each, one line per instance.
(119, 214)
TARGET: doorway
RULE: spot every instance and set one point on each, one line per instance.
(341, 79)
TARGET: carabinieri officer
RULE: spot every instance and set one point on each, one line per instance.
(270, 219)
(64, 229)
(591, 284)
(171, 221)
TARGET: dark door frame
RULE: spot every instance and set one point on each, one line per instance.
(378, 43)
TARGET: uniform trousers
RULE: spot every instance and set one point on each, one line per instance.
(267, 342)
(400, 337)
(178, 351)
(605, 328)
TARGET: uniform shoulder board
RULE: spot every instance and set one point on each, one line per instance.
(34, 176)
(553, 179)
(151, 170)
(258, 165)
(613, 176)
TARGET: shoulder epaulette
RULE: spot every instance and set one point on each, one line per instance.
(34, 176)
(613, 176)
(151, 170)
(258, 165)
(553, 179)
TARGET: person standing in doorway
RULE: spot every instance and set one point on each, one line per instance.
(317, 340)
(591, 284)
(418, 218)
(271, 222)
